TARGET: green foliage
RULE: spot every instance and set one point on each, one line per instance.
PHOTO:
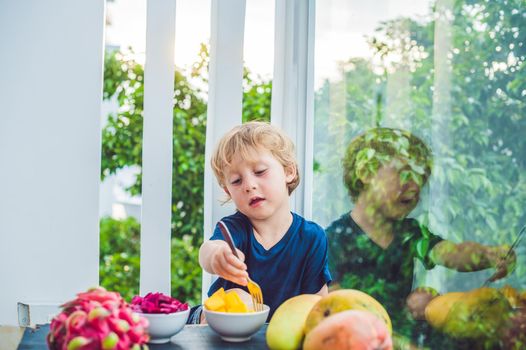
(256, 98)
(120, 263)
(122, 147)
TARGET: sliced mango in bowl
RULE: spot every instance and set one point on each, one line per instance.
(228, 301)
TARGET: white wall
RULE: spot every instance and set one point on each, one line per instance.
(50, 93)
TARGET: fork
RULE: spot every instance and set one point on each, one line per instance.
(253, 288)
(513, 245)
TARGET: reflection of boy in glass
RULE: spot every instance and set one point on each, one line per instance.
(373, 247)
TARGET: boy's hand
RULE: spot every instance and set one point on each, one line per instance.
(225, 264)
(504, 264)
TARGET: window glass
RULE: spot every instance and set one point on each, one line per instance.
(418, 147)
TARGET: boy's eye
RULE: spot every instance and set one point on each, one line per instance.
(235, 181)
(260, 172)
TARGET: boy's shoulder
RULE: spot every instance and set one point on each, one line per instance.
(343, 224)
(237, 221)
(307, 227)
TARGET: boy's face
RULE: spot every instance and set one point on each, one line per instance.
(386, 194)
(258, 186)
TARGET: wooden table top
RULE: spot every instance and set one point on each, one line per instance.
(195, 337)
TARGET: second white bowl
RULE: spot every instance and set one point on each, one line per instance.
(236, 327)
(164, 326)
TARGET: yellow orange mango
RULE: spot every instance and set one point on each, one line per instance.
(216, 302)
(228, 301)
(234, 303)
(342, 300)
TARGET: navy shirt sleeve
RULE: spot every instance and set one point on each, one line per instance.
(317, 265)
(237, 229)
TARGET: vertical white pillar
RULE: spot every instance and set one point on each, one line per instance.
(157, 147)
(50, 93)
(293, 89)
(225, 97)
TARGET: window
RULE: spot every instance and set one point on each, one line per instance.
(450, 74)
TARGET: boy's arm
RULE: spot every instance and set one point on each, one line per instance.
(207, 252)
(472, 256)
(215, 257)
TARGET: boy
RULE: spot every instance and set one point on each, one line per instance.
(373, 247)
(285, 254)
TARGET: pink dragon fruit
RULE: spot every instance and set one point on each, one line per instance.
(97, 320)
(157, 303)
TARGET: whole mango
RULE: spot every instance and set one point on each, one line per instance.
(342, 300)
(349, 330)
(480, 314)
(439, 307)
(286, 329)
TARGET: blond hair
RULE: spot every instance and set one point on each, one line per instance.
(246, 138)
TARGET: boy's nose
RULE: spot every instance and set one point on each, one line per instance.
(250, 184)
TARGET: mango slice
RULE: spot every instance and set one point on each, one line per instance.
(222, 301)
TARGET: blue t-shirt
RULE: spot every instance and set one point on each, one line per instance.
(297, 264)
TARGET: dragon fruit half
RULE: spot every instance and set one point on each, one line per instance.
(97, 320)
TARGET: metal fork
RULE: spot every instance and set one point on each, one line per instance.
(513, 245)
(253, 287)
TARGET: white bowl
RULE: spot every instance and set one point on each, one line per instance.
(164, 326)
(236, 327)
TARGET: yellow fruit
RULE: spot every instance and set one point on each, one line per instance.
(345, 299)
(219, 293)
(286, 328)
(480, 314)
(222, 301)
(438, 308)
(522, 298)
(234, 303)
(216, 301)
(350, 329)
(512, 295)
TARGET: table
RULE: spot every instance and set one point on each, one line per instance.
(194, 337)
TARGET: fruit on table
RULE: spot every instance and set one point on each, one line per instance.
(480, 314)
(349, 330)
(222, 301)
(97, 319)
(437, 310)
(345, 299)
(286, 328)
(418, 300)
(513, 296)
(157, 303)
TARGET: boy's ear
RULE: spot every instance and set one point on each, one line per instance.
(290, 173)
(226, 191)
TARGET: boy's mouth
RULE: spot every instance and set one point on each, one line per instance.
(255, 201)
(408, 197)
